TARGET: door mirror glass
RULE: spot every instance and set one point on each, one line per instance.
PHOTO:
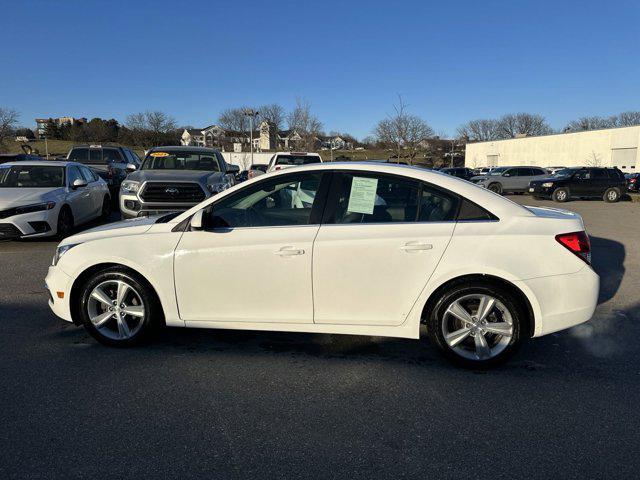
(79, 183)
(233, 169)
(196, 220)
(131, 167)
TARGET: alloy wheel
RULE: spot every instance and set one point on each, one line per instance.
(477, 326)
(115, 308)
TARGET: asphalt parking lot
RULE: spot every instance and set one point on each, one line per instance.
(223, 404)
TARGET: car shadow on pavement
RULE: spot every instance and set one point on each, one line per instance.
(608, 261)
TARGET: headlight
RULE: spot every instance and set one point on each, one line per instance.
(61, 251)
(219, 187)
(37, 207)
(547, 184)
(129, 186)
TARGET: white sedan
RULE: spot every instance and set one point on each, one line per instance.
(40, 198)
(353, 248)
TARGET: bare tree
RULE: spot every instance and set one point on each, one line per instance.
(8, 121)
(481, 130)
(151, 128)
(594, 160)
(273, 113)
(513, 125)
(589, 123)
(234, 119)
(627, 119)
(405, 133)
(306, 124)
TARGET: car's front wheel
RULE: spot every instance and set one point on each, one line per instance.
(560, 195)
(477, 325)
(118, 308)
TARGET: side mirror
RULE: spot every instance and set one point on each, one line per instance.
(196, 220)
(79, 183)
(131, 167)
(233, 169)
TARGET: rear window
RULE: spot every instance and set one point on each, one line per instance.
(296, 159)
(79, 155)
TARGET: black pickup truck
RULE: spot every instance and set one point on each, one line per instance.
(581, 182)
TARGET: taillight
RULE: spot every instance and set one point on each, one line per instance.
(632, 180)
(577, 243)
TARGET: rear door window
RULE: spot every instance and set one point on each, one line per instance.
(599, 173)
(79, 155)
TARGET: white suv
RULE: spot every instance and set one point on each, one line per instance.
(282, 160)
(358, 248)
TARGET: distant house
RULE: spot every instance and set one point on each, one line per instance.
(216, 136)
(192, 137)
(334, 143)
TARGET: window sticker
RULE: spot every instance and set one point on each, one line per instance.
(363, 195)
(158, 154)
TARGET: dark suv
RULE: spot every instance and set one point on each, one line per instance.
(581, 182)
(108, 161)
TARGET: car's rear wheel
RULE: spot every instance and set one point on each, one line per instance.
(477, 325)
(611, 195)
(64, 226)
(106, 208)
(118, 308)
(496, 188)
(560, 195)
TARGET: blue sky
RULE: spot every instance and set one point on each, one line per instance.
(451, 61)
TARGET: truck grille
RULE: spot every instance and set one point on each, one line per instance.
(157, 192)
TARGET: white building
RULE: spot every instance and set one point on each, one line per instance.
(611, 147)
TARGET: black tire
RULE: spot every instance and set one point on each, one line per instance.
(146, 297)
(106, 208)
(611, 195)
(495, 188)
(65, 223)
(505, 347)
(560, 195)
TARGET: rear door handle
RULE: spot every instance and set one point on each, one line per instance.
(416, 246)
(289, 251)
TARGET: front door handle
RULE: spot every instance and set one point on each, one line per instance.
(289, 251)
(416, 246)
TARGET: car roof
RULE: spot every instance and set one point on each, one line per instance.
(297, 153)
(185, 148)
(44, 163)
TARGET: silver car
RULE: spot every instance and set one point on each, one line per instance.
(510, 179)
(41, 198)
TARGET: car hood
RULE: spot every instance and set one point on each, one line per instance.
(478, 178)
(133, 226)
(16, 197)
(199, 176)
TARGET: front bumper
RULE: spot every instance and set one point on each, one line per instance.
(131, 207)
(34, 224)
(59, 286)
(564, 300)
(540, 191)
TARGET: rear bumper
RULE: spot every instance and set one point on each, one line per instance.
(59, 284)
(563, 300)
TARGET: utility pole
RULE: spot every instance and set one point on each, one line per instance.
(251, 114)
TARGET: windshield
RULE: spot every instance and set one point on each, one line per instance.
(296, 159)
(181, 161)
(31, 176)
(565, 172)
(498, 171)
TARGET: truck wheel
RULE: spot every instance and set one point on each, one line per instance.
(611, 195)
(560, 195)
